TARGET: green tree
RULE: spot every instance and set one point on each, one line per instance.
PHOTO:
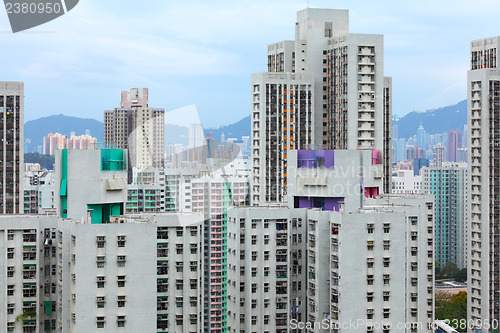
(449, 270)
(461, 275)
(452, 307)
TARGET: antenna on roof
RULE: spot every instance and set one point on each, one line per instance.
(307, 3)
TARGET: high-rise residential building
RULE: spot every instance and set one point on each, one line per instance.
(439, 155)
(406, 182)
(147, 191)
(421, 137)
(137, 127)
(196, 136)
(39, 189)
(81, 142)
(483, 140)
(325, 89)
(340, 251)
(12, 147)
(52, 142)
(212, 195)
(142, 273)
(448, 184)
(454, 143)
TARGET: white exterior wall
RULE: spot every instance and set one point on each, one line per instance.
(482, 143)
(405, 182)
(333, 265)
(87, 183)
(66, 272)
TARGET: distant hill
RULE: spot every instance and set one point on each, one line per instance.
(45, 161)
(36, 129)
(435, 121)
(236, 130)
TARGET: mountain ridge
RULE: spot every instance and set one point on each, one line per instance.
(435, 121)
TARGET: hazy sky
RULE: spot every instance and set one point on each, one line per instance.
(203, 52)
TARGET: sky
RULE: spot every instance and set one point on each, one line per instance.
(201, 54)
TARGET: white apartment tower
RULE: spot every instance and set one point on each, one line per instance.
(325, 89)
(142, 273)
(483, 140)
(11, 147)
(137, 127)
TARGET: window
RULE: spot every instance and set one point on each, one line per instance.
(369, 262)
(179, 302)
(194, 266)
(121, 241)
(370, 228)
(121, 301)
(369, 245)
(387, 244)
(100, 261)
(100, 302)
(387, 278)
(386, 312)
(179, 284)
(10, 235)
(369, 279)
(10, 271)
(121, 281)
(387, 228)
(387, 261)
(120, 321)
(100, 322)
(120, 261)
(369, 297)
(193, 283)
(101, 241)
(387, 295)
(100, 281)
(369, 313)
(10, 308)
(10, 253)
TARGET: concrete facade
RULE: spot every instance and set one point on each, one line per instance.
(326, 90)
(69, 276)
(405, 182)
(91, 185)
(483, 142)
(12, 147)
